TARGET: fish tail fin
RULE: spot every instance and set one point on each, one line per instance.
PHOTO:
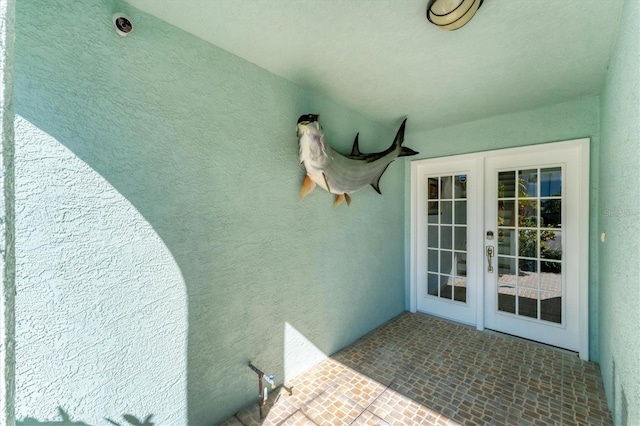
(406, 152)
(399, 139)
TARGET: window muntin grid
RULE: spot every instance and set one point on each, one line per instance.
(529, 245)
(447, 237)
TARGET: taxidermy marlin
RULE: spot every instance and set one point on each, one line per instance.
(342, 174)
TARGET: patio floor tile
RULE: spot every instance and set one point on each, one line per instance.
(421, 370)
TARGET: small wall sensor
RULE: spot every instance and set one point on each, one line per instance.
(122, 23)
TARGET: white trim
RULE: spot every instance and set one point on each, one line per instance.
(413, 286)
(584, 247)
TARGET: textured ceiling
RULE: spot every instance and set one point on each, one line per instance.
(385, 60)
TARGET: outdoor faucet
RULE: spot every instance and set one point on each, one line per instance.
(270, 379)
(262, 392)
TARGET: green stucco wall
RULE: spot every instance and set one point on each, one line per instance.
(7, 214)
(161, 244)
(569, 120)
(619, 219)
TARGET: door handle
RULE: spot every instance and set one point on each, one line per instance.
(489, 256)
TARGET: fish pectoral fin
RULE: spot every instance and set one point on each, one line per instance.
(347, 199)
(307, 187)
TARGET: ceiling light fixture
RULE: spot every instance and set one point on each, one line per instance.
(451, 14)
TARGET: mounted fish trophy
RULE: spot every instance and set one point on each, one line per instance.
(342, 174)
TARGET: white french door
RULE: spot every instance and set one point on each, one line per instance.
(448, 218)
(500, 241)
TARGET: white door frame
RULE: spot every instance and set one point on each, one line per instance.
(582, 148)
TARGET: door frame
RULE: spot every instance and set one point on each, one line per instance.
(582, 147)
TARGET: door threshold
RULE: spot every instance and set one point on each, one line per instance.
(534, 342)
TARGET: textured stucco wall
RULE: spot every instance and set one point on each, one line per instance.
(7, 214)
(160, 241)
(619, 215)
(569, 120)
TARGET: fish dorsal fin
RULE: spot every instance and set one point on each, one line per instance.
(355, 151)
(376, 183)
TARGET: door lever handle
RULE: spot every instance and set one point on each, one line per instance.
(489, 256)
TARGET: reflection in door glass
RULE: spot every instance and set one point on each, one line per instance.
(506, 213)
(550, 213)
(530, 243)
(551, 182)
(507, 184)
(506, 241)
(460, 186)
(446, 187)
(527, 183)
(447, 237)
(507, 279)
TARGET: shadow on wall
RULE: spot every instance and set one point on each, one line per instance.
(161, 234)
(65, 420)
(93, 278)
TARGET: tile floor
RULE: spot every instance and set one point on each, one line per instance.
(420, 370)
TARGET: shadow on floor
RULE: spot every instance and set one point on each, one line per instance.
(420, 370)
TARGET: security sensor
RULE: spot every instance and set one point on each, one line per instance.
(122, 23)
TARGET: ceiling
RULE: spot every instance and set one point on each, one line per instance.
(384, 59)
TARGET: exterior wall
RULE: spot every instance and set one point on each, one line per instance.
(7, 215)
(161, 245)
(619, 216)
(569, 120)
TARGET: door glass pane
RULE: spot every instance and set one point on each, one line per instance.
(551, 245)
(551, 306)
(432, 236)
(445, 262)
(507, 279)
(528, 183)
(432, 284)
(530, 277)
(461, 212)
(528, 243)
(527, 274)
(432, 188)
(550, 216)
(507, 184)
(446, 212)
(460, 290)
(446, 242)
(506, 241)
(460, 186)
(446, 187)
(527, 214)
(432, 261)
(461, 264)
(528, 302)
(551, 182)
(446, 287)
(445, 237)
(460, 238)
(432, 212)
(506, 213)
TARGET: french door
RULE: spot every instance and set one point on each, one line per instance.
(499, 241)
